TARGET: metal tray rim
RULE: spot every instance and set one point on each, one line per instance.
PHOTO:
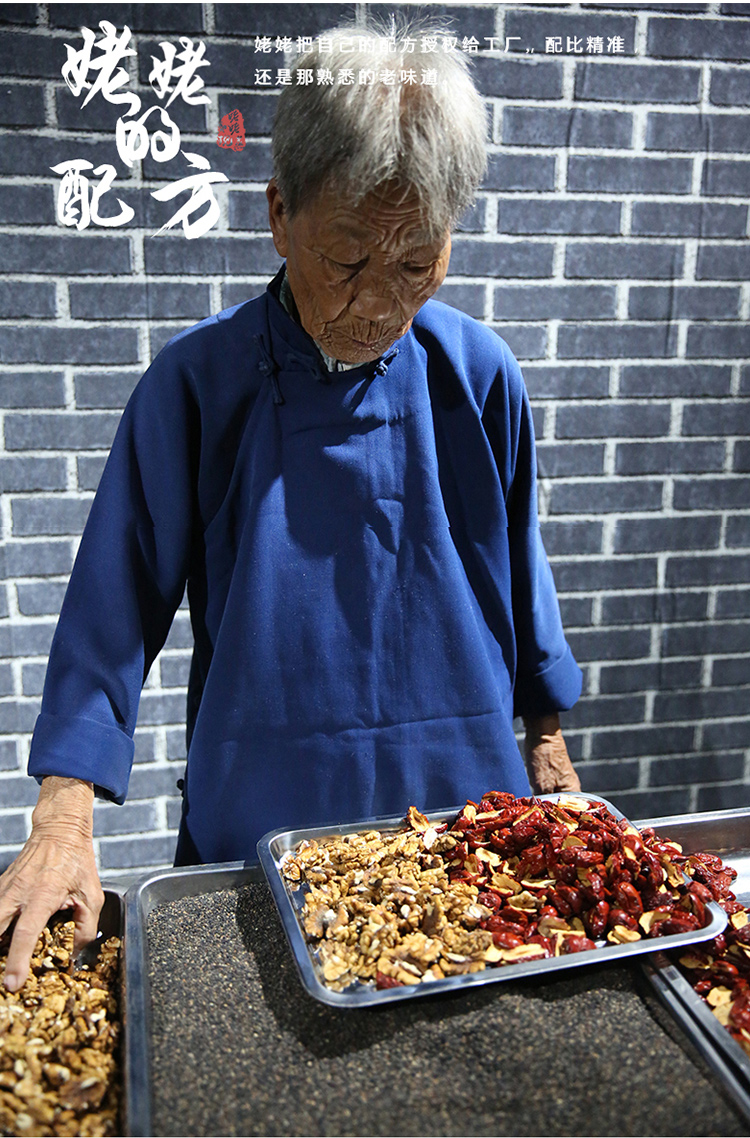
(138, 1090)
(666, 973)
(715, 1043)
(369, 997)
(696, 819)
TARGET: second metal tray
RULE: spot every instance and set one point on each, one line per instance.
(726, 833)
(158, 888)
(274, 846)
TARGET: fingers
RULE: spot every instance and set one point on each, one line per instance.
(570, 781)
(56, 868)
(86, 916)
(25, 935)
(32, 901)
(17, 963)
(8, 913)
(549, 765)
(31, 922)
(47, 876)
(542, 781)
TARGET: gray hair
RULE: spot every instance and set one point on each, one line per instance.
(426, 136)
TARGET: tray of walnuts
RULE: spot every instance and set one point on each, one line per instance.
(59, 1035)
(405, 907)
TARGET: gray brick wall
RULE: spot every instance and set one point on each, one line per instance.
(608, 245)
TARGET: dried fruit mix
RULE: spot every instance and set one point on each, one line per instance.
(719, 969)
(512, 879)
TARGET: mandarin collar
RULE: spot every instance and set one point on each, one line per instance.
(290, 340)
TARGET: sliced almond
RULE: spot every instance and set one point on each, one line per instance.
(522, 952)
(622, 935)
(718, 996)
(646, 920)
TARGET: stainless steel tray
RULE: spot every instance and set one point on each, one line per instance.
(112, 923)
(273, 847)
(726, 833)
(140, 900)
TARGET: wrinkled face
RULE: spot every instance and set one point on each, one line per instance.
(359, 274)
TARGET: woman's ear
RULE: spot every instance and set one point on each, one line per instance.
(277, 218)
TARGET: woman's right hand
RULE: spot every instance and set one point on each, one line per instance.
(56, 869)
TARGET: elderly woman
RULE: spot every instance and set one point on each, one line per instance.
(342, 471)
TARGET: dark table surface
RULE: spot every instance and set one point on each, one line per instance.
(240, 1049)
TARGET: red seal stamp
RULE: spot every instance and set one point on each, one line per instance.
(232, 131)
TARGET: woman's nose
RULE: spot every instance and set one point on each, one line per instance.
(373, 300)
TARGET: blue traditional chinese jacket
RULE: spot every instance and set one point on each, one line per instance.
(370, 598)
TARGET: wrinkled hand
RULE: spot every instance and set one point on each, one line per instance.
(547, 760)
(56, 869)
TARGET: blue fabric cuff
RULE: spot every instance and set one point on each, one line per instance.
(82, 748)
(555, 689)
